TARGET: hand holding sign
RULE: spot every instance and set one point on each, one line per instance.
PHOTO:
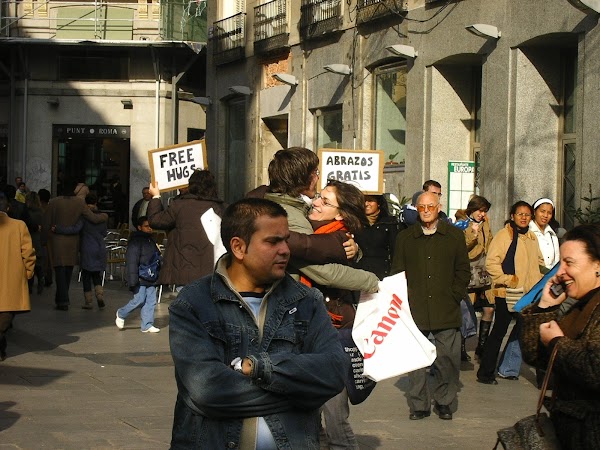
(153, 188)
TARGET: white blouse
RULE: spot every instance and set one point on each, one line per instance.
(548, 242)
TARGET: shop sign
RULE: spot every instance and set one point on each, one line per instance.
(171, 167)
(91, 131)
(461, 185)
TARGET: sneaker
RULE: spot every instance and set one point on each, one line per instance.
(508, 377)
(120, 323)
(152, 329)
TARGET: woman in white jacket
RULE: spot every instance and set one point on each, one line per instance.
(543, 211)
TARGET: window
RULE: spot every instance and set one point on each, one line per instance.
(476, 125)
(329, 127)
(390, 113)
(568, 143)
(93, 65)
(236, 149)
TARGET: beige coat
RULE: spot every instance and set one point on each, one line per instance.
(18, 261)
(528, 259)
(478, 243)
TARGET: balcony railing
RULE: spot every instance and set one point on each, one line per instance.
(229, 39)
(270, 26)
(79, 20)
(110, 20)
(370, 10)
(319, 17)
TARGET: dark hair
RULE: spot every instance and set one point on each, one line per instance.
(32, 200)
(239, 219)
(589, 236)
(144, 188)
(384, 209)
(44, 195)
(21, 184)
(291, 169)
(513, 209)
(91, 199)
(203, 184)
(3, 203)
(351, 204)
(476, 203)
(431, 183)
(141, 220)
(10, 191)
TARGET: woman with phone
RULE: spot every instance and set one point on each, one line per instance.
(575, 411)
(513, 262)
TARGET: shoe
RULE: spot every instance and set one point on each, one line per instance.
(418, 415)
(508, 377)
(62, 307)
(120, 323)
(487, 380)
(464, 356)
(152, 329)
(2, 355)
(444, 412)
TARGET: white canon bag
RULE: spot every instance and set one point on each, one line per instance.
(385, 332)
(212, 226)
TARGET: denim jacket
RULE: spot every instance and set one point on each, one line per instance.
(299, 363)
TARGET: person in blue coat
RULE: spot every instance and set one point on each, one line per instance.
(92, 253)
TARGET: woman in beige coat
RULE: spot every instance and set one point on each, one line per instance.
(18, 256)
(513, 261)
(478, 236)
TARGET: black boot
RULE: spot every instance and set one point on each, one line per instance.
(464, 356)
(484, 332)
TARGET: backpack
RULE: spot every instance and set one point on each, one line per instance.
(149, 271)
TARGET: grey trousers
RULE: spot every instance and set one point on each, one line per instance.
(337, 428)
(446, 368)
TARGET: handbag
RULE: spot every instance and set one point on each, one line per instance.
(534, 432)
(358, 386)
(468, 326)
(480, 278)
(386, 334)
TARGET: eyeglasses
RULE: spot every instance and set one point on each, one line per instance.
(523, 214)
(423, 208)
(325, 201)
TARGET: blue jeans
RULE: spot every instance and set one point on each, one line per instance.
(510, 362)
(146, 299)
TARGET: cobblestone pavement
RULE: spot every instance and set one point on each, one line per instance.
(72, 380)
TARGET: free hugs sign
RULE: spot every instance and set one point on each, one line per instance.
(361, 168)
(172, 166)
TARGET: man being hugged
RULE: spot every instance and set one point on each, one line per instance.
(255, 353)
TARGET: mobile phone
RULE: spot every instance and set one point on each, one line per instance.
(557, 289)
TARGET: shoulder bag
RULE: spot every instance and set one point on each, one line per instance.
(480, 278)
(534, 432)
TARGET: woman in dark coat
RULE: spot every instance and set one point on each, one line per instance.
(575, 335)
(92, 253)
(189, 253)
(377, 238)
(32, 201)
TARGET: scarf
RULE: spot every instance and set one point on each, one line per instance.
(508, 265)
(331, 227)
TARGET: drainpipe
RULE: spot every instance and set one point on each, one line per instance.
(25, 64)
(156, 98)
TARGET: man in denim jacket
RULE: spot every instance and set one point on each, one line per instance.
(255, 352)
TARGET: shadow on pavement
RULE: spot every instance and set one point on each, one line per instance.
(7, 418)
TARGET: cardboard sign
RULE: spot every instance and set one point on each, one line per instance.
(172, 166)
(361, 168)
(461, 185)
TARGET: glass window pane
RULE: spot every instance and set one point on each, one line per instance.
(570, 90)
(236, 149)
(329, 128)
(390, 114)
